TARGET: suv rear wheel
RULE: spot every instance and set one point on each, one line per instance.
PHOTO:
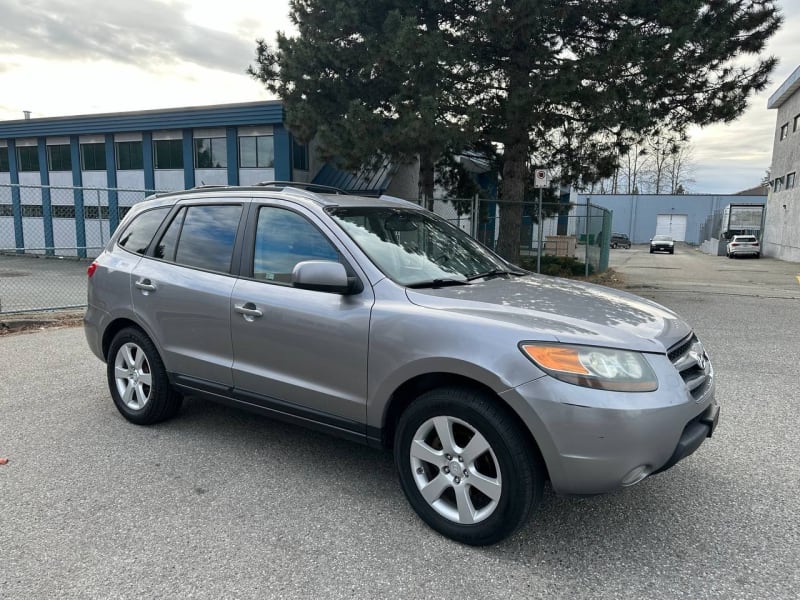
(138, 381)
(466, 467)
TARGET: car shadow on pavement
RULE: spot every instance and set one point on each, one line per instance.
(630, 525)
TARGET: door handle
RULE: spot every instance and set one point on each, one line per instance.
(249, 311)
(145, 285)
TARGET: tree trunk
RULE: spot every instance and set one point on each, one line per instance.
(514, 169)
(426, 173)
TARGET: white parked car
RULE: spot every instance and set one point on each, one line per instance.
(742, 245)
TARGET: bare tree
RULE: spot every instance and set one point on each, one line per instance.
(680, 169)
(662, 150)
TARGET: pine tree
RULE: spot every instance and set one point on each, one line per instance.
(370, 79)
(568, 85)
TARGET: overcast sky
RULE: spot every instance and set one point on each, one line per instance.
(62, 57)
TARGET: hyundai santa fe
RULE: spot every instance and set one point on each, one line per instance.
(375, 320)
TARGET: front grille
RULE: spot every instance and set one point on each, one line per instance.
(690, 359)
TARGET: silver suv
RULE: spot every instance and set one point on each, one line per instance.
(377, 321)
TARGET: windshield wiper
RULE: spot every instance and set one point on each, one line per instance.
(493, 273)
(437, 283)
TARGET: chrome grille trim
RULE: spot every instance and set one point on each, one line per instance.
(690, 360)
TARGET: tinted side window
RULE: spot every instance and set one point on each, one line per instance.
(207, 237)
(169, 241)
(141, 230)
(283, 239)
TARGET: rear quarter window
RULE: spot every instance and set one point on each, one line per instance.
(140, 231)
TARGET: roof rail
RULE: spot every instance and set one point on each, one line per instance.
(397, 200)
(301, 185)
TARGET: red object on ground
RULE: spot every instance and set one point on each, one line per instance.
(3, 461)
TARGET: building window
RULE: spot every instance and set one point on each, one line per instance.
(784, 131)
(256, 152)
(59, 158)
(168, 154)
(299, 156)
(129, 156)
(93, 157)
(32, 211)
(796, 123)
(93, 213)
(28, 158)
(790, 181)
(63, 212)
(210, 153)
(4, 166)
(778, 184)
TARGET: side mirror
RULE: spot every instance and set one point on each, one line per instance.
(323, 276)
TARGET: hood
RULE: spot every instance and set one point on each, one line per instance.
(562, 310)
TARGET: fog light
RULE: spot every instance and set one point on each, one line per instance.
(636, 475)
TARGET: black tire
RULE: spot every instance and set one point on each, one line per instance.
(651, 250)
(155, 400)
(509, 462)
(672, 251)
(758, 255)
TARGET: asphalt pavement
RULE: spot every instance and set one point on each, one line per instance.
(218, 503)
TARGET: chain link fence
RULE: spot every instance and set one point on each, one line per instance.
(579, 231)
(48, 237)
(50, 234)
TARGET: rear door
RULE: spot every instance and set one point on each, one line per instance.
(298, 351)
(182, 292)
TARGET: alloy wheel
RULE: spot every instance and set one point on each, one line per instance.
(132, 376)
(455, 470)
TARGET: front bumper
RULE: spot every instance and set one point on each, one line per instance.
(662, 248)
(694, 434)
(594, 442)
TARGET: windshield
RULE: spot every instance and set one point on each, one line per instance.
(413, 247)
(662, 238)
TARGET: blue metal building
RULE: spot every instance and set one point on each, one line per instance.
(642, 216)
(44, 162)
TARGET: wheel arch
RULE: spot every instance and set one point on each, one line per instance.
(411, 389)
(117, 325)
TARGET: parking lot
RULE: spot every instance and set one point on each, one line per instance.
(221, 504)
(32, 282)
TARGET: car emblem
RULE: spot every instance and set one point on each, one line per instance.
(698, 357)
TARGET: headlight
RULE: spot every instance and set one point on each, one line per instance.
(598, 368)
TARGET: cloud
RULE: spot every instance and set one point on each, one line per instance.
(145, 33)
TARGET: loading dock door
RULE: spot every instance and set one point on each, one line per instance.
(673, 226)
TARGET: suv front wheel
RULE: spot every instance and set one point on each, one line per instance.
(137, 379)
(466, 466)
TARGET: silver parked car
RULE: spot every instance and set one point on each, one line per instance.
(743, 245)
(376, 320)
(662, 243)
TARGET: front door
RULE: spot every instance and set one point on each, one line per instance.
(298, 350)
